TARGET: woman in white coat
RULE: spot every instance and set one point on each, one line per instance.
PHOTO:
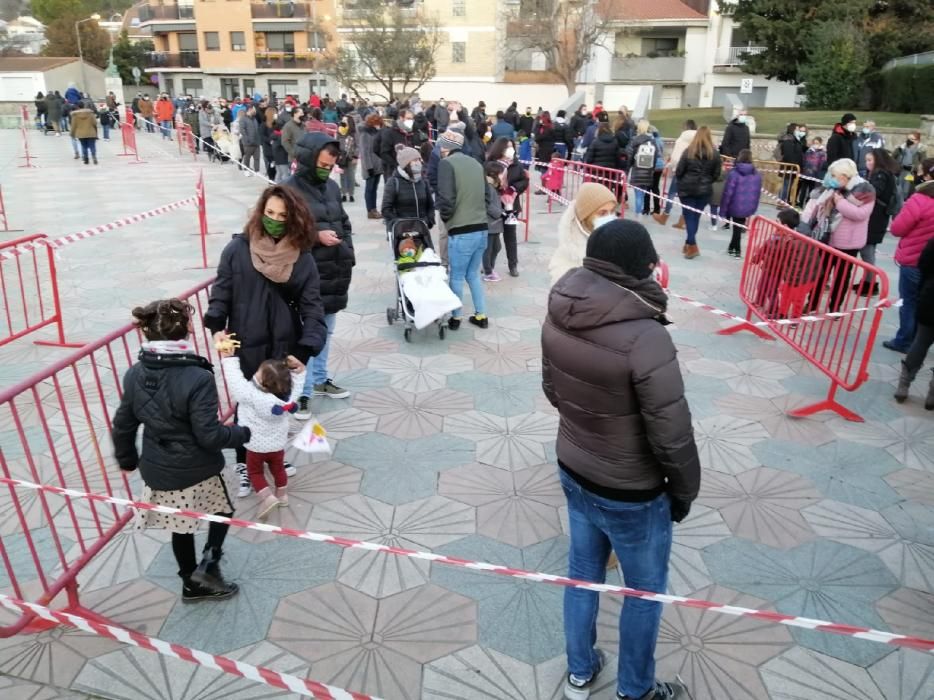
(593, 206)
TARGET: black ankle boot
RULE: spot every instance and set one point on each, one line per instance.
(208, 574)
(195, 593)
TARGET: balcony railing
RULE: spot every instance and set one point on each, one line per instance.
(183, 59)
(150, 13)
(643, 68)
(277, 60)
(734, 55)
(280, 10)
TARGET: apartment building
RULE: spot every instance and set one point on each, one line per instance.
(238, 47)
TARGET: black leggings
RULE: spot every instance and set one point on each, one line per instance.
(924, 338)
(493, 246)
(510, 242)
(738, 222)
(653, 202)
(183, 545)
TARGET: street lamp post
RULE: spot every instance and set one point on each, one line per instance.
(84, 78)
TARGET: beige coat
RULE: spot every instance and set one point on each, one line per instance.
(84, 124)
(681, 144)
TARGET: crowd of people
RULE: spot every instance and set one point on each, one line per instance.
(282, 282)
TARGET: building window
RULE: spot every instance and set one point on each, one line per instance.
(249, 87)
(229, 88)
(281, 88)
(280, 41)
(187, 41)
(192, 86)
(659, 46)
(237, 41)
(212, 41)
(458, 8)
(458, 52)
(317, 41)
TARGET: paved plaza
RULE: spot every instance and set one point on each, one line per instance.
(448, 445)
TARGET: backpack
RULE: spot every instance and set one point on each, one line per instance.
(896, 202)
(645, 156)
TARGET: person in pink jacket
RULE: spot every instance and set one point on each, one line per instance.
(839, 214)
(914, 227)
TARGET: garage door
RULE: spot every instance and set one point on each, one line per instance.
(756, 99)
(615, 96)
(14, 88)
(671, 97)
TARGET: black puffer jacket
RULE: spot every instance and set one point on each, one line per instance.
(518, 178)
(335, 263)
(390, 137)
(174, 398)
(404, 199)
(610, 368)
(884, 184)
(925, 309)
(271, 320)
(697, 175)
(603, 151)
(641, 177)
(735, 139)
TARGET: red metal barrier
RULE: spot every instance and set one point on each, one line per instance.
(3, 217)
(29, 290)
(186, 139)
(202, 218)
(313, 125)
(787, 275)
(130, 148)
(59, 433)
(24, 130)
(575, 173)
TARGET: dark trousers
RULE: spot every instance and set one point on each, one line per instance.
(369, 191)
(653, 202)
(738, 223)
(924, 339)
(510, 242)
(255, 463)
(88, 148)
(494, 244)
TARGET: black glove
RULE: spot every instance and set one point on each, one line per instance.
(247, 434)
(679, 509)
(303, 353)
(131, 468)
(214, 323)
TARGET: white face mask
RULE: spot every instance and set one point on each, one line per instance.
(851, 127)
(741, 119)
(510, 153)
(601, 220)
(408, 123)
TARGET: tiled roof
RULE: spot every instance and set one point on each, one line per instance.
(642, 10)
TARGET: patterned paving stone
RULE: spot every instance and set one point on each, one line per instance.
(773, 415)
(904, 674)
(687, 571)
(515, 442)
(502, 395)
(498, 359)
(725, 444)
(818, 579)
(802, 673)
(407, 415)
(419, 374)
(908, 611)
(353, 641)
(914, 484)
(17, 689)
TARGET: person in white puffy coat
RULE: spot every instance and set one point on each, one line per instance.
(265, 404)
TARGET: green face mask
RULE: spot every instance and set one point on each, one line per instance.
(322, 173)
(273, 228)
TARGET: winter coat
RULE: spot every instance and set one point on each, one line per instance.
(852, 230)
(640, 177)
(503, 129)
(84, 124)
(815, 163)
(271, 320)
(389, 138)
(735, 139)
(335, 263)
(865, 144)
(164, 110)
(525, 123)
(249, 130)
(909, 156)
(925, 306)
(741, 192)
(681, 145)
(914, 225)
(494, 210)
(791, 149)
(611, 369)
(696, 175)
(265, 414)
(518, 179)
(590, 135)
(564, 134)
(461, 195)
(53, 105)
(883, 182)
(291, 133)
(174, 398)
(545, 140)
(579, 124)
(106, 117)
(369, 160)
(572, 245)
(840, 144)
(404, 199)
(268, 138)
(349, 152)
(604, 152)
(72, 95)
(146, 109)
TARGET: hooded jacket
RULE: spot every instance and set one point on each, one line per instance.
(404, 199)
(174, 398)
(681, 144)
(840, 144)
(884, 183)
(914, 225)
(604, 152)
(611, 369)
(389, 137)
(735, 139)
(335, 263)
(572, 245)
(84, 124)
(641, 177)
(741, 192)
(369, 159)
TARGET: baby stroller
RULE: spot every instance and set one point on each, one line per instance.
(223, 144)
(417, 231)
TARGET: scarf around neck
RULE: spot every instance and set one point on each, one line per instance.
(272, 260)
(169, 347)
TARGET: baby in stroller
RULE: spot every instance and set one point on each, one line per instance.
(423, 296)
(225, 147)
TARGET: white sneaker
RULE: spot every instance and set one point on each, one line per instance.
(713, 225)
(245, 488)
(289, 469)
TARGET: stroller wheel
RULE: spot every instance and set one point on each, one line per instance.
(408, 335)
(441, 331)
(390, 315)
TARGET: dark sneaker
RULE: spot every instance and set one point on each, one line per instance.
(454, 324)
(480, 321)
(331, 390)
(890, 345)
(195, 593)
(245, 487)
(304, 408)
(671, 690)
(513, 272)
(579, 688)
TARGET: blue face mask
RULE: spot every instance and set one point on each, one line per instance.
(830, 182)
(605, 219)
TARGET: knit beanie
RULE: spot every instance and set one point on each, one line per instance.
(451, 140)
(626, 244)
(590, 197)
(847, 118)
(406, 155)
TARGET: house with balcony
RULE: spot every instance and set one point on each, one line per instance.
(238, 47)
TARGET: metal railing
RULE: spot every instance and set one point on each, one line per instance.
(285, 59)
(183, 59)
(280, 10)
(915, 59)
(149, 13)
(735, 55)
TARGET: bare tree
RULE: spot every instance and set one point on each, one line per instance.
(390, 47)
(564, 31)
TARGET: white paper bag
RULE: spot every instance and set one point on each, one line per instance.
(312, 438)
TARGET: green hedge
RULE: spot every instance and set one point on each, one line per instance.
(908, 89)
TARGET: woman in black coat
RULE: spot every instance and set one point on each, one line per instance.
(267, 139)
(544, 140)
(603, 150)
(517, 181)
(406, 194)
(267, 289)
(882, 170)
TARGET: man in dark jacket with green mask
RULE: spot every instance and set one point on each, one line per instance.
(316, 154)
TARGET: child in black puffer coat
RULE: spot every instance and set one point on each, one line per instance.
(172, 393)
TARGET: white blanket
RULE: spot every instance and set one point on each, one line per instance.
(428, 291)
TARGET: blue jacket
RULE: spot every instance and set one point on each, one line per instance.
(72, 95)
(741, 191)
(503, 128)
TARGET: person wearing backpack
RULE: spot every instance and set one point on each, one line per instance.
(883, 173)
(642, 152)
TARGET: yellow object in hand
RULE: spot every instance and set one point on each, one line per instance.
(227, 343)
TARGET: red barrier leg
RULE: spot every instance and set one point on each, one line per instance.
(828, 404)
(755, 330)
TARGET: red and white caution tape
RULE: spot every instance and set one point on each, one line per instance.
(97, 230)
(258, 674)
(899, 640)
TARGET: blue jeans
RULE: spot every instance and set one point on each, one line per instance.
(88, 148)
(465, 255)
(318, 372)
(640, 201)
(371, 185)
(106, 132)
(672, 193)
(640, 534)
(692, 218)
(909, 284)
(150, 127)
(166, 127)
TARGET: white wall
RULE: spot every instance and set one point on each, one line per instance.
(779, 94)
(15, 87)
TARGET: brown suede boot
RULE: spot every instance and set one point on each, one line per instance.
(680, 223)
(692, 252)
(661, 218)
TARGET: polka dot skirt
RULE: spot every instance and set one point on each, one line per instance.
(209, 496)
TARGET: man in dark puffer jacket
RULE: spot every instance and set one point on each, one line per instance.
(316, 154)
(626, 452)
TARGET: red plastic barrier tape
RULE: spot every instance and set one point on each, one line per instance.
(258, 674)
(894, 639)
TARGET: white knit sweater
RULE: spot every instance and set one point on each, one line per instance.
(268, 432)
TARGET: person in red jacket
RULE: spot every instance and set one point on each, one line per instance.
(914, 227)
(165, 113)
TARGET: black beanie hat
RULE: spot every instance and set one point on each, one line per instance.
(626, 244)
(847, 118)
